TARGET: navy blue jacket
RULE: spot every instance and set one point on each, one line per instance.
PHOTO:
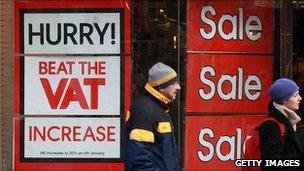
(150, 142)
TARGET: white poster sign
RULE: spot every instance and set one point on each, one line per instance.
(72, 85)
(72, 137)
(72, 82)
(72, 33)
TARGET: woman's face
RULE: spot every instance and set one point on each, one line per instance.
(293, 101)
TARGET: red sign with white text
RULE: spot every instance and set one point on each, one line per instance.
(226, 83)
(213, 143)
(229, 71)
(230, 26)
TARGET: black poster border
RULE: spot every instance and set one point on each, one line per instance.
(121, 55)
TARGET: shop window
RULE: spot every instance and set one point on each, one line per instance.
(158, 31)
(298, 52)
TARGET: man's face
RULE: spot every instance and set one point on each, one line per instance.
(171, 90)
(293, 101)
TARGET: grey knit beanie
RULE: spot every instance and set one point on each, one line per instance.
(161, 75)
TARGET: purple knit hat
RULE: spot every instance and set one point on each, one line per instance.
(282, 89)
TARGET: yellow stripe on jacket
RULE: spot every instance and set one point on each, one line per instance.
(142, 135)
(164, 127)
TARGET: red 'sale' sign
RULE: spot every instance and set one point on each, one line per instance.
(229, 70)
(236, 26)
(216, 141)
(225, 83)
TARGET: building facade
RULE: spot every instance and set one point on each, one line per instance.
(70, 70)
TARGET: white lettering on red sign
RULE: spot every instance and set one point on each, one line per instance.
(252, 86)
(235, 143)
(253, 25)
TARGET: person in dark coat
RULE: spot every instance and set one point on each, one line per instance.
(150, 143)
(275, 144)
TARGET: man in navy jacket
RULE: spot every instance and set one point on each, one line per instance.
(150, 142)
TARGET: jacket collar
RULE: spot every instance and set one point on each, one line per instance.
(157, 94)
(289, 114)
